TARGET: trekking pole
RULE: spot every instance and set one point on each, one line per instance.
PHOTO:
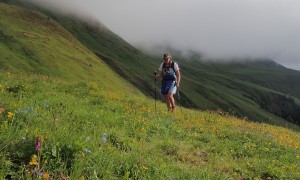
(155, 94)
(179, 100)
(155, 90)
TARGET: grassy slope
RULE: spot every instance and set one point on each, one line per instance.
(116, 52)
(33, 43)
(216, 87)
(140, 143)
(205, 85)
(70, 113)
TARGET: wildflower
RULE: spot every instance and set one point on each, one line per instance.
(87, 150)
(46, 105)
(23, 139)
(46, 176)
(33, 160)
(104, 140)
(104, 137)
(38, 144)
(10, 115)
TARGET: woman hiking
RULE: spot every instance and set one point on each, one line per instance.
(170, 74)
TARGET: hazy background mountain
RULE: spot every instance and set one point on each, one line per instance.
(216, 28)
(257, 89)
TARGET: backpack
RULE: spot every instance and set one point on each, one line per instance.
(169, 75)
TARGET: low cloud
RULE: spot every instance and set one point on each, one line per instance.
(216, 28)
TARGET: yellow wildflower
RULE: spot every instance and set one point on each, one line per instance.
(10, 115)
(33, 160)
(46, 176)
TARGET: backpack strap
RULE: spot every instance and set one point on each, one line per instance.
(172, 66)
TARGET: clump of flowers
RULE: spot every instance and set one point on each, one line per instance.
(104, 137)
(34, 166)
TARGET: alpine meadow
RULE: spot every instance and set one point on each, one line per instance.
(79, 102)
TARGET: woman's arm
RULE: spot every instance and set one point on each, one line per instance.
(178, 77)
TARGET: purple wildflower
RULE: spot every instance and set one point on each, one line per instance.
(38, 144)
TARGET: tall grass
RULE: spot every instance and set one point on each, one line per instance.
(87, 131)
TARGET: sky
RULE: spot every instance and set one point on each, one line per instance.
(220, 29)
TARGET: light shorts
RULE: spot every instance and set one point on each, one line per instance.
(173, 88)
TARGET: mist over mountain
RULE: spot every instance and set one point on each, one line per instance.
(218, 29)
(215, 28)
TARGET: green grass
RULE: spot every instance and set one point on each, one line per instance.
(93, 124)
(141, 142)
(33, 43)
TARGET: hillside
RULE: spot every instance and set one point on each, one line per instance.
(87, 132)
(64, 114)
(237, 88)
(207, 86)
(31, 42)
(245, 89)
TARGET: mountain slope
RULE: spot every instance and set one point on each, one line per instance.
(213, 89)
(236, 88)
(60, 124)
(28, 37)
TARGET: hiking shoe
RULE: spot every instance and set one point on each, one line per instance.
(173, 109)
